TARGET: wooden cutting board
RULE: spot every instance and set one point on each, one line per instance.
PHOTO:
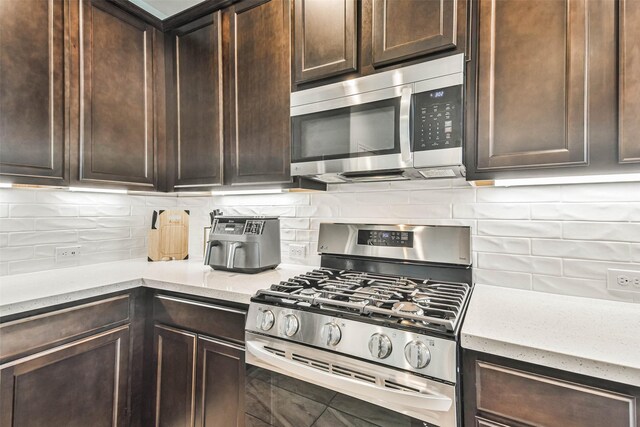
(169, 236)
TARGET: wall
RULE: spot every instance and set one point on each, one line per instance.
(558, 239)
(107, 227)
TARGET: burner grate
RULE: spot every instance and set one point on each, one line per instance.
(410, 302)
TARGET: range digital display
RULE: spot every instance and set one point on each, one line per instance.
(392, 238)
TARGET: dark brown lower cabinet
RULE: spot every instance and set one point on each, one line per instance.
(501, 392)
(174, 356)
(82, 383)
(219, 383)
(198, 379)
(199, 363)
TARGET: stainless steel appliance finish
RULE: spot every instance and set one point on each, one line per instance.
(430, 243)
(243, 244)
(407, 394)
(396, 125)
(390, 339)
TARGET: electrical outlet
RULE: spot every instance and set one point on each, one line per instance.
(623, 280)
(297, 251)
(67, 253)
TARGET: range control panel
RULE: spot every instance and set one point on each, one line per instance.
(238, 226)
(398, 239)
(438, 119)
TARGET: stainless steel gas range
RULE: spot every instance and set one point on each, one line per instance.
(368, 339)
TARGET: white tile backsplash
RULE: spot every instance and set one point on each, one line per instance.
(557, 239)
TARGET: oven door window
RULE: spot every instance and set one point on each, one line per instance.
(356, 131)
(273, 399)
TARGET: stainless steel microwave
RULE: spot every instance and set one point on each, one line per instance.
(396, 125)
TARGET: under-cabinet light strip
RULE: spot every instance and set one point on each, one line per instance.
(584, 179)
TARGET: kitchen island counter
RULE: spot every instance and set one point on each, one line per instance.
(32, 291)
(593, 337)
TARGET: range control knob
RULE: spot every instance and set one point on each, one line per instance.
(331, 334)
(265, 320)
(290, 325)
(380, 346)
(417, 354)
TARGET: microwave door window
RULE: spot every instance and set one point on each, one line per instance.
(325, 136)
(372, 130)
(361, 130)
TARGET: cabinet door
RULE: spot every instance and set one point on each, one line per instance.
(532, 84)
(519, 395)
(259, 77)
(325, 41)
(32, 90)
(404, 29)
(116, 90)
(83, 383)
(629, 142)
(197, 103)
(219, 384)
(174, 361)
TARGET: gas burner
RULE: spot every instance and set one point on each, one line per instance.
(310, 292)
(408, 307)
(412, 303)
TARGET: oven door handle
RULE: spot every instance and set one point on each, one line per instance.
(402, 401)
(405, 126)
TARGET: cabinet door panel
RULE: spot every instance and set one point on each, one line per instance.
(520, 395)
(175, 357)
(32, 91)
(629, 143)
(83, 383)
(116, 117)
(198, 99)
(258, 148)
(404, 29)
(220, 384)
(324, 38)
(531, 83)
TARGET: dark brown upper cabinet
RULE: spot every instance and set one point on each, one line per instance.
(541, 89)
(195, 109)
(258, 78)
(629, 137)
(33, 112)
(342, 39)
(325, 38)
(404, 29)
(116, 112)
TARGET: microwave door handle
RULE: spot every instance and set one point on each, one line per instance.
(405, 126)
(403, 400)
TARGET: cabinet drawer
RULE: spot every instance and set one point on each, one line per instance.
(481, 422)
(205, 318)
(542, 401)
(39, 332)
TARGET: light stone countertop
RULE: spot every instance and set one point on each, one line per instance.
(594, 337)
(25, 292)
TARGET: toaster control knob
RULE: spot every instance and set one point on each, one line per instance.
(331, 334)
(417, 354)
(265, 320)
(290, 325)
(380, 346)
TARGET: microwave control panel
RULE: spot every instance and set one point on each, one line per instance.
(438, 119)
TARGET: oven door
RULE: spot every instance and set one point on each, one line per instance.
(288, 384)
(357, 133)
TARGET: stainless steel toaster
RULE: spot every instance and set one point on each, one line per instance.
(246, 244)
